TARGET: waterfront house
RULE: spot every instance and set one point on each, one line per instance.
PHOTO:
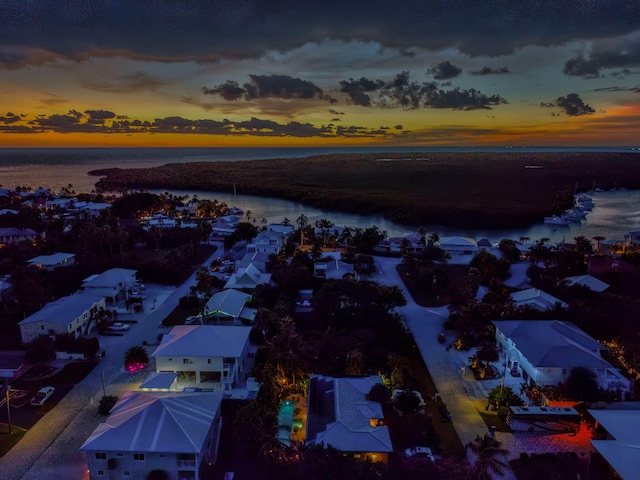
(592, 283)
(459, 245)
(340, 414)
(545, 351)
(230, 306)
(112, 284)
(50, 262)
(333, 269)
(216, 357)
(68, 315)
(176, 433)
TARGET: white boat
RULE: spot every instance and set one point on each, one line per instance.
(555, 220)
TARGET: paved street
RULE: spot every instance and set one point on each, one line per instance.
(50, 450)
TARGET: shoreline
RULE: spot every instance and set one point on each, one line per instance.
(469, 190)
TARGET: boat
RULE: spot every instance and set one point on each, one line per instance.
(555, 220)
(236, 211)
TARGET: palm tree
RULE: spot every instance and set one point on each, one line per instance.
(433, 239)
(135, 357)
(325, 226)
(302, 222)
(598, 239)
(486, 449)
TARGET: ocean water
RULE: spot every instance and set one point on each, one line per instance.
(616, 212)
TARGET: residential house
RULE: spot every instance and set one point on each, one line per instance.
(13, 364)
(230, 306)
(50, 262)
(247, 278)
(5, 287)
(459, 245)
(207, 356)
(11, 235)
(535, 298)
(68, 315)
(592, 283)
(8, 211)
(333, 269)
(224, 226)
(341, 415)
(617, 439)
(257, 259)
(111, 284)
(545, 352)
(177, 433)
(267, 241)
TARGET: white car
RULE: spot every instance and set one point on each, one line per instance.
(396, 394)
(410, 452)
(119, 327)
(42, 396)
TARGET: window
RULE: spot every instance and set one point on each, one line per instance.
(101, 472)
(138, 456)
(101, 456)
(209, 361)
(126, 473)
(119, 454)
(187, 360)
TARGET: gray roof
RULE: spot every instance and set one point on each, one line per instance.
(159, 380)
(553, 343)
(53, 259)
(248, 277)
(588, 281)
(157, 422)
(65, 309)
(339, 415)
(536, 298)
(203, 341)
(621, 452)
(227, 302)
(110, 278)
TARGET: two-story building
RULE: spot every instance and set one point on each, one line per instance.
(205, 356)
(112, 284)
(68, 315)
(176, 433)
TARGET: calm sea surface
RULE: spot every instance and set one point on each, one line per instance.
(615, 214)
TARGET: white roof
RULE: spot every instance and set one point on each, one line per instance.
(588, 281)
(622, 453)
(64, 310)
(553, 343)
(342, 415)
(157, 422)
(537, 299)
(110, 278)
(227, 302)
(248, 277)
(204, 341)
(51, 260)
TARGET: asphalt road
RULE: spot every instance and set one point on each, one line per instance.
(51, 448)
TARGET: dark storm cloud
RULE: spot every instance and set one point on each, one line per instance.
(407, 94)
(490, 71)
(620, 52)
(32, 32)
(268, 86)
(9, 118)
(572, 105)
(444, 70)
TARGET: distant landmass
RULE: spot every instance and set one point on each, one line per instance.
(464, 189)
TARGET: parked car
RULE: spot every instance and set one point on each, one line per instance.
(119, 327)
(193, 320)
(42, 396)
(410, 452)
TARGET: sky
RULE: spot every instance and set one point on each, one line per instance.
(319, 73)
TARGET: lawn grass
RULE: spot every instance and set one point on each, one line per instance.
(8, 441)
(490, 417)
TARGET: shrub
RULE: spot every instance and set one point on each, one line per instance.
(106, 404)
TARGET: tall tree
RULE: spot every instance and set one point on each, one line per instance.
(486, 449)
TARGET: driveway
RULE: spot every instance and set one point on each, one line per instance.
(51, 449)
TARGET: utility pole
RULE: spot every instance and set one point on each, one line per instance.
(7, 389)
(104, 390)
